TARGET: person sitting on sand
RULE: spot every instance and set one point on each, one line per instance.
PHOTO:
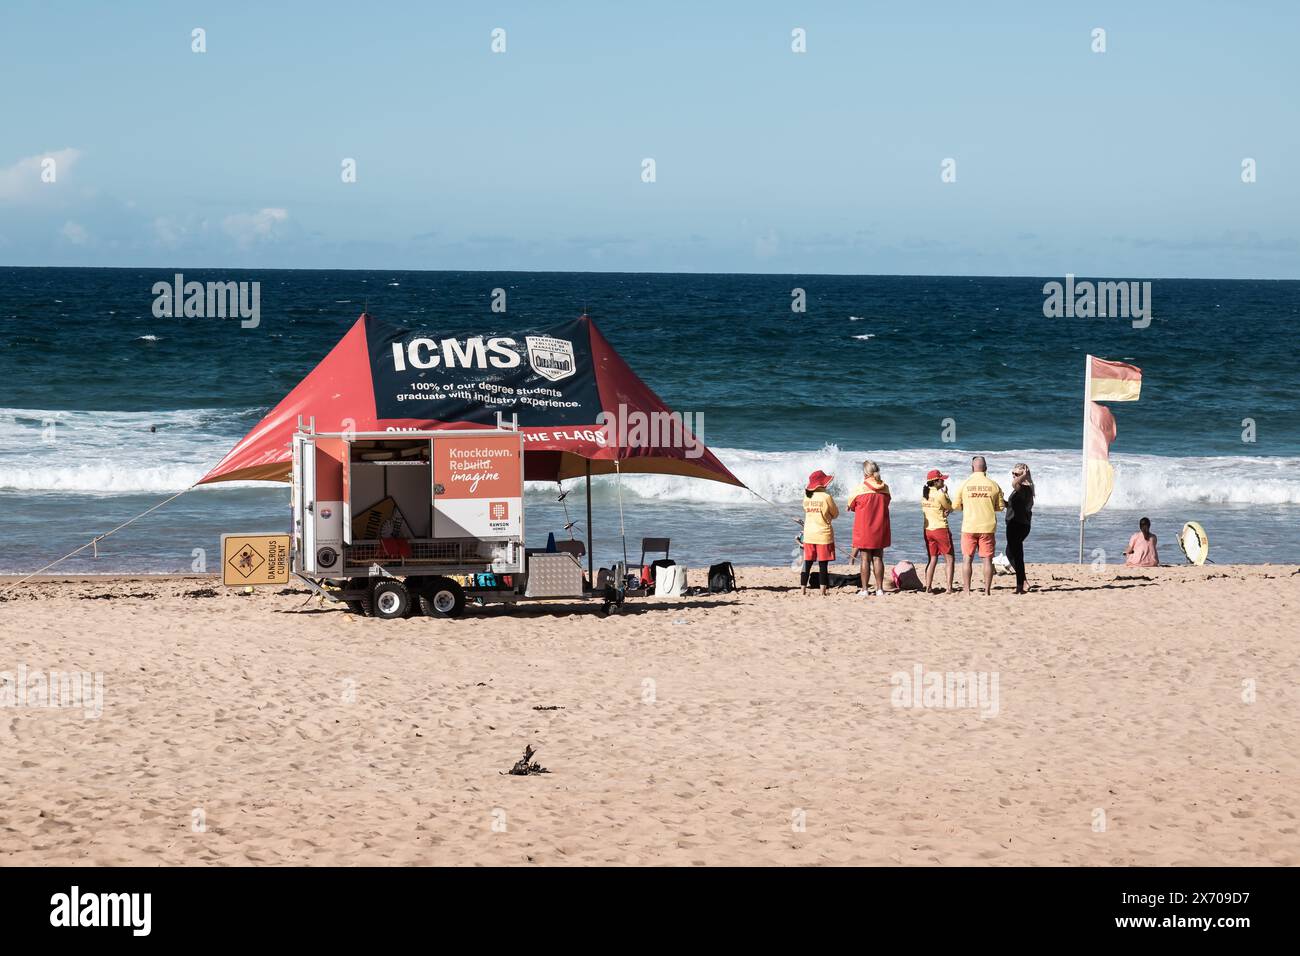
(1141, 551)
(818, 536)
(870, 506)
(935, 507)
(979, 499)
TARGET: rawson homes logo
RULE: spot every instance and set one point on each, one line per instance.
(551, 358)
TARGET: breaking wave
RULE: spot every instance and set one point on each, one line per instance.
(112, 452)
(1141, 481)
(116, 453)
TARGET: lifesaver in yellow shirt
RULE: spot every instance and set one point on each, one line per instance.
(1194, 542)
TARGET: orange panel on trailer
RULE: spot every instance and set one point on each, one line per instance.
(329, 469)
(479, 482)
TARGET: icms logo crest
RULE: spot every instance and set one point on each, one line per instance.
(550, 358)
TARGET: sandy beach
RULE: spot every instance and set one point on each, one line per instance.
(1130, 716)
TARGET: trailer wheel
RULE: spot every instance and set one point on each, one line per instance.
(442, 597)
(414, 586)
(389, 600)
(356, 585)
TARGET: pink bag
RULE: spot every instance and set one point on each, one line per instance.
(905, 576)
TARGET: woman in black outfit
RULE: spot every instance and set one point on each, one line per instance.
(1020, 511)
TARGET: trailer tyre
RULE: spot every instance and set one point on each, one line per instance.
(357, 605)
(442, 597)
(414, 586)
(389, 600)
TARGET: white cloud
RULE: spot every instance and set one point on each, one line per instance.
(75, 233)
(168, 231)
(250, 227)
(23, 182)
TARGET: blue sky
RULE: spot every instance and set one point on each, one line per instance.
(1123, 163)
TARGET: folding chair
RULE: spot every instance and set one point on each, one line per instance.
(574, 547)
(652, 546)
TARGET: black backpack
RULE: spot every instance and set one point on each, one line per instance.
(722, 578)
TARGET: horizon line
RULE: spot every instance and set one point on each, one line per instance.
(616, 272)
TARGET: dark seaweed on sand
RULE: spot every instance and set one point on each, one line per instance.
(523, 768)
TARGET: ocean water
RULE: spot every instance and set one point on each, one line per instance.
(105, 409)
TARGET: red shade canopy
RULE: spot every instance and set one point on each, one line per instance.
(556, 382)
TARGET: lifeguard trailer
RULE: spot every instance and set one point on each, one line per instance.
(399, 522)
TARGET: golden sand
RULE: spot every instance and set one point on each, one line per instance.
(1142, 716)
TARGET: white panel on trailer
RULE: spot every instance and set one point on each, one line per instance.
(304, 517)
(347, 491)
(329, 533)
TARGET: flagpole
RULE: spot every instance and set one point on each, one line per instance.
(1083, 450)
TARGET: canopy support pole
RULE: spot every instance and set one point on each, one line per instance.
(590, 556)
(622, 529)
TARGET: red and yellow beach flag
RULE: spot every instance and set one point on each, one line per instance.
(1112, 381)
(1098, 475)
(1104, 381)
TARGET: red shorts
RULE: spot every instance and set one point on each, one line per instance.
(984, 542)
(938, 541)
(819, 552)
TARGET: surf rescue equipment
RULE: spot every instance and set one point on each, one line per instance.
(1194, 542)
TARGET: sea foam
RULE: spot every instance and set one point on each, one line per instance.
(115, 453)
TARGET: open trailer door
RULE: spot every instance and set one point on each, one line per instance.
(304, 504)
(347, 490)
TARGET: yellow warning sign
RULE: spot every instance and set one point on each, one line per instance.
(254, 559)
